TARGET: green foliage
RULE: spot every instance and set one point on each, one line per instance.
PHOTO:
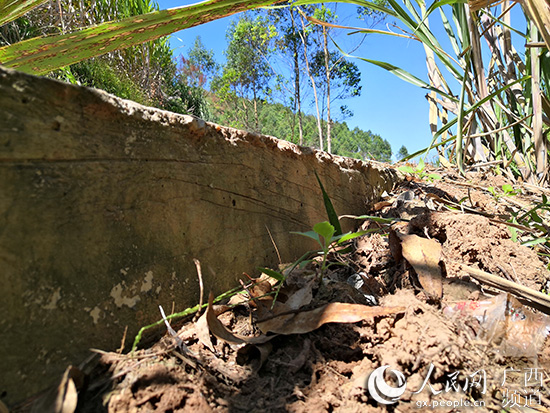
(418, 171)
(42, 55)
(344, 75)
(184, 313)
(277, 120)
(324, 234)
(186, 99)
(507, 190)
(531, 227)
(245, 79)
(142, 73)
(199, 66)
(501, 108)
(99, 74)
(360, 144)
(402, 153)
(17, 30)
(331, 212)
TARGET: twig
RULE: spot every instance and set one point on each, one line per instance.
(201, 288)
(123, 341)
(173, 333)
(508, 286)
(275, 245)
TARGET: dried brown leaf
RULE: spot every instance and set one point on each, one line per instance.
(301, 297)
(203, 332)
(64, 398)
(218, 329)
(259, 352)
(306, 321)
(395, 246)
(424, 255)
(382, 204)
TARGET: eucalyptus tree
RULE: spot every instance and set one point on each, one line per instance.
(200, 64)
(290, 51)
(343, 82)
(402, 153)
(245, 81)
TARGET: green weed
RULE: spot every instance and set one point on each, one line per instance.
(507, 190)
(418, 171)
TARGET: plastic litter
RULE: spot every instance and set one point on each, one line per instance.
(515, 330)
(358, 281)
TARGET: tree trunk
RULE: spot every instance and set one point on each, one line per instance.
(319, 127)
(297, 97)
(256, 118)
(327, 69)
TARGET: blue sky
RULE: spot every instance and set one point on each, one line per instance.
(388, 106)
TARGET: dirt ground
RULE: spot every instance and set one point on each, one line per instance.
(450, 343)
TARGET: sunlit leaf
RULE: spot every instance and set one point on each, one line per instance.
(307, 321)
(310, 234)
(42, 55)
(407, 77)
(534, 242)
(325, 229)
(273, 274)
(351, 235)
(11, 10)
(331, 212)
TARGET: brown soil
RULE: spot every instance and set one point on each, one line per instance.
(327, 369)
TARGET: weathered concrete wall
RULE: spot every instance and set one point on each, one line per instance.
(104, 203)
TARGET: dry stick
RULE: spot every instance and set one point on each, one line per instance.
(275, 245)
(491, 217)
(123, 342)
(184, 349)
(201, 288)
(508, 286)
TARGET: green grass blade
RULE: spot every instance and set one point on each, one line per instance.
(309, 234)
(460, 119)
(450, 33)
(439, 4)
(363, 3)
(273, 274)
(533, 242)
(42, 55)
(331, 213)
(184, 313)
(11, 10)
(408, 77)
(453, 122)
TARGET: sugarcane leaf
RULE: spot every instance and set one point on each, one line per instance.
(408, 77)
(44, 54)
(11, 10)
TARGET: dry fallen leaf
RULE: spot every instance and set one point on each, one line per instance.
(382, 204)
(258, 353)
(301, 297)
(306, 321)
(424, 255)
(64, 398)
(203, 332)
(218, 329)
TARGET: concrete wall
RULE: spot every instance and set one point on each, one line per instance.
(104, 203)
